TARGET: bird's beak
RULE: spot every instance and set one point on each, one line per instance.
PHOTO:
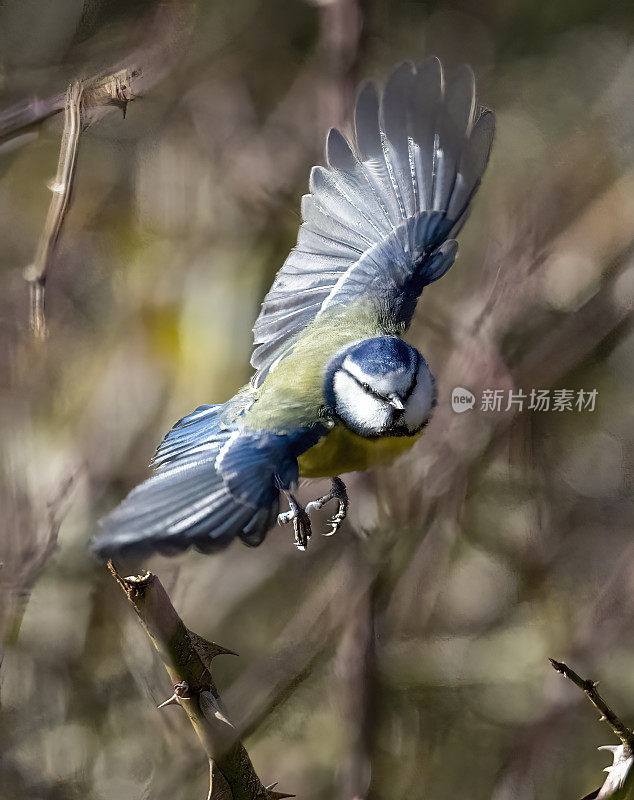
(396, 402)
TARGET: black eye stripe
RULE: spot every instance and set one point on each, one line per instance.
(366, 387)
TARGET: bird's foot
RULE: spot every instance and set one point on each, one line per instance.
(300, 519)
(299, 516)
(337, 492)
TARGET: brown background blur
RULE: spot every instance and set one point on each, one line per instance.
(409, 653)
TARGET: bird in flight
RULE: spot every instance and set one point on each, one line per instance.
(335, 389)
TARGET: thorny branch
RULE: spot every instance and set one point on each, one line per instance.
(187, 659)
(607, 715)
(619, 783)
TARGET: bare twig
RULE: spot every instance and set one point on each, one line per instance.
(232, 773)
(36, 273)
(607, 715)
(81, 96)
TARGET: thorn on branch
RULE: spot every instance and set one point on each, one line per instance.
(210, 706)
(181, 692)
(207, 650)
(272, 795)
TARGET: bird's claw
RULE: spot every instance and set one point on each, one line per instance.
(301, 522)
(337, 492)
(300, 516)
(301, 529)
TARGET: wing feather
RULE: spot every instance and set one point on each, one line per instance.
(211, 483)
(426, 105)
(317, 219)
(370, 150)
(396, 124)
(380, 220)
(339, 154)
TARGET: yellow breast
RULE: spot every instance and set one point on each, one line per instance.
(343, 451)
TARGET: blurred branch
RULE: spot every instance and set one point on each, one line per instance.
(187, 659)
(355, 671)
(15, 119)
(25, 553)
(578, 334)
(340, 24)
(316, 624)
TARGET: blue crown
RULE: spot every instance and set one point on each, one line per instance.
(383, 354)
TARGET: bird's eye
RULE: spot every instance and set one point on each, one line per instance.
(366, 387)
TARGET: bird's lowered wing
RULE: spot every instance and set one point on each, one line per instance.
(379, 219)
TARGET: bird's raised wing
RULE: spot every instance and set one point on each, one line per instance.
(379, 220)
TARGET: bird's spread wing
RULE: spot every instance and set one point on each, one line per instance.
(210, 485)
(379, 220)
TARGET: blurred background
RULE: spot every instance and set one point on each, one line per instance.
(406, 657)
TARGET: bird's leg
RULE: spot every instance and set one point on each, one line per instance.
(337, 492)
(298, 516)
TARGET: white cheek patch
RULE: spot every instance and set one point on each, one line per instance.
(359, 409)
(420, 402)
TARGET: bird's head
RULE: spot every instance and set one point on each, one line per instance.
(380, 387)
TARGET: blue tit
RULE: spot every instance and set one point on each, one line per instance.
(335, 388)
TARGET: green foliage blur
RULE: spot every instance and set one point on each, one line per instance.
(407, 657)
